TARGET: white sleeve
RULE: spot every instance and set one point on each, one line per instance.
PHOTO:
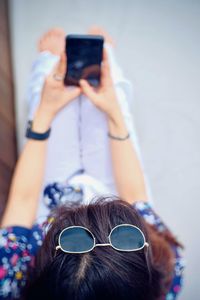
(41, 67)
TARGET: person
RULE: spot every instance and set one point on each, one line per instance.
(107, 247)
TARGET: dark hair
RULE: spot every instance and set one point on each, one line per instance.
(103, 273)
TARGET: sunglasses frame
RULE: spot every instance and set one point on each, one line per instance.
(101, 245)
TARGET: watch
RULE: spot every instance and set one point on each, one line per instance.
(30, 134)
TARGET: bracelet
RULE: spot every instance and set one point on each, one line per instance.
(118, 138)
(35, 135)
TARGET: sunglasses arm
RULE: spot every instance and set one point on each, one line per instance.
(58, 247)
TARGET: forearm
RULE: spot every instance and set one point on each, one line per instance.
(126, 165)
(27, 179)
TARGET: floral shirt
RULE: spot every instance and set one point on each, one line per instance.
(147, 212)
(19, 246)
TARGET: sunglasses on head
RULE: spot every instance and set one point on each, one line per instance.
(124, 237)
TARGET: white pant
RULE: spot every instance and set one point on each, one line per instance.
(79, 133)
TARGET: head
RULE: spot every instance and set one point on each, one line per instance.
(103, 273)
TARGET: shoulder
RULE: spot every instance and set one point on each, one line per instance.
(147, 211)
(18, 248)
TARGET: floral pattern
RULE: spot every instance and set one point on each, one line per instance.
(18, 248)
(56, 194)
(147, 212)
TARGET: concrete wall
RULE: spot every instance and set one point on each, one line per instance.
(158, 46)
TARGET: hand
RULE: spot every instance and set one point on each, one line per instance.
(55, 95)
(103, 97)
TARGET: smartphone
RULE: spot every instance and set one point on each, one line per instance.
(84, 57)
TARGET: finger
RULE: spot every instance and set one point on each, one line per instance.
(106, 59)
(105, 54)
(87, 89)
(62, 65)
(105, 69)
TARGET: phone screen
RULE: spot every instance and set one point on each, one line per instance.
(84, 56)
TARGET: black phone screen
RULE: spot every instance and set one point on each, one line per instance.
(84, 56)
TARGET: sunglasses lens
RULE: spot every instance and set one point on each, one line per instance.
(127, 238)
(76, 239)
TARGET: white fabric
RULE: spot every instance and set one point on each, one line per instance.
(79, 133)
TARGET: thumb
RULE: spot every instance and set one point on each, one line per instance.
(71, 93)
(87, 89)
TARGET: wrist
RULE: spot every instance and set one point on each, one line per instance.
(116, 125)
(115, 116)
(41, 121)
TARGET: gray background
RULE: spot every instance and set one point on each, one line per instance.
(158, 45)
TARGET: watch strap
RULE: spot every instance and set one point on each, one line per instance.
(30, 134)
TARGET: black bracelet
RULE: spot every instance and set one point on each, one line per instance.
(35, 135)
(118, 138)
